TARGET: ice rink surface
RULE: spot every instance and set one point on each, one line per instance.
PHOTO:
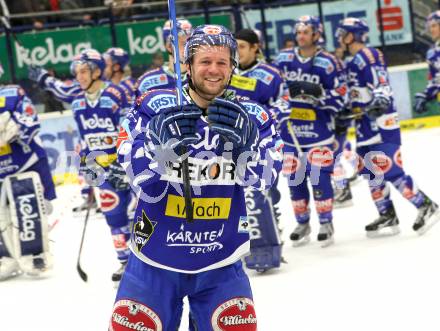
(356, 284)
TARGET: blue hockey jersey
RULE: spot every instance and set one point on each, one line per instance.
(98, 121)
(261, 83)
(311, 121)
(219, 235)
(432, 89)
(367, 73)
(63, 90)
(160, 78)
(26, 149)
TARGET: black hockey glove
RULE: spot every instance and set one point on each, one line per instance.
(303, 88)
(37, 74)
(117, 177)
(232, 122)
(342, 121)
(420, 103)
(175, 127)
(378, 106)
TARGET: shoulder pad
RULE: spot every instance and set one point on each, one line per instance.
(285, 56)
(157, 100)
(11, 91)
(152, 79)
(256, 110)
(359, 61)
(263, 75)
(115, 91)
(325, 63)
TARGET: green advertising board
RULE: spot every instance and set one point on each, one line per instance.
(417, 82)
(56, 48)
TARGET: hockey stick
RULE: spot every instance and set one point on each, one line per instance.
(294, 138)
(80, 270)
(184, 149)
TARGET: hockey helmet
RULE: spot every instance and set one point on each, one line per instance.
(118, 56)
(184, 28)
(353, 25)
(210, 35)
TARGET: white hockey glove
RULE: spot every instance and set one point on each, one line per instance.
(9, 129)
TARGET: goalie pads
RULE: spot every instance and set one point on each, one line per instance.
(26, 236)
(305, 89)
(263, 230)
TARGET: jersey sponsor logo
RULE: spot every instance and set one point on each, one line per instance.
(95, 122)
(291, 164)
(143, 230)
(305, 131)
(9, 92)
(216, 171)
(101, 140)
(302, 114)
(244, 83)
(320, 156)
(131, 315)
(359, 62)
(2, 101)
(262, 75)
(398, 158)
(235, 314)
(302, 76)
(198, 242)
(161, 101)
(212, 29)
(5, 150)
(109, 200)
(153, 82)
(254, 109)
(107, 102)
(203, 208)
(324, 63)
(388, 121)
(79, 104)
(380, 163)
(285, 57)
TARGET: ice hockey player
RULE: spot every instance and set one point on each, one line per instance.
(173, 257)
(432, 90)
(378, 132)
(97, 111)
(26, 187)
(117, 70)
(164, 77)
(257, 81)
(315, 94)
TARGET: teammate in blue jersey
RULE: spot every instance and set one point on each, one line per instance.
(378, 132)
(230, 145)
(97, 111)
(432, 90)
(117, 70)
(164, 76)
(21, 151)
(305, 119)
(257, 81)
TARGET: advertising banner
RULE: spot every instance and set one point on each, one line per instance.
(395, 17)
(56, 48)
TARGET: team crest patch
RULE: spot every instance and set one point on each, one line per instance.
(142, 231)
(237, 314)
(131, 315)
(212, 29)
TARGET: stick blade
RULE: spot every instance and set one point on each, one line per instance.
(81, 273)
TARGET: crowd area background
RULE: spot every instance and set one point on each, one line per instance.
(40, 16)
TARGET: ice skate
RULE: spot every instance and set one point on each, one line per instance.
(301, 235)
(386, 225)
(325, 235)
(81, 209)
(117, 275)
(9, 268)
(343, 197)
(428, 215)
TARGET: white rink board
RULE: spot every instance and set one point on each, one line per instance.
(357, 284)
